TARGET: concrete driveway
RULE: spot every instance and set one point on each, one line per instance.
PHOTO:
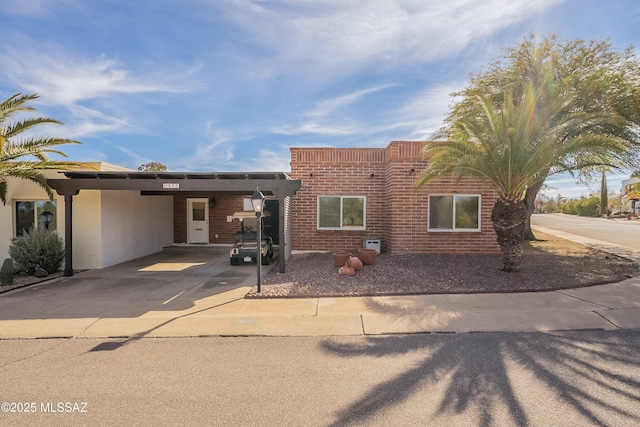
(177, 279)
(184, 292)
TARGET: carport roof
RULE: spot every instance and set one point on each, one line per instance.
(276, 183)
(173, 175)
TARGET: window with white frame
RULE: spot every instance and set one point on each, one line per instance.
(454, 212)
(341, 212)
(34, 214)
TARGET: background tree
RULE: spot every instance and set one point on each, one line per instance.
(152, 167)
(588, 77)
(22, 156)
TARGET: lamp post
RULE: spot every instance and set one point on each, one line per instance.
(257, 200)
(46, 217)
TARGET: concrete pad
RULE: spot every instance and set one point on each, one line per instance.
(625, 318)
(625, 294)
(123, 327)
(262, 307)
(375, 324)
(399, 305)
(236, 292)
(261, 326)
(43, 328)
(529, 301)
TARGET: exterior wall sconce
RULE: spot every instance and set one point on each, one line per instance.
(46, 217)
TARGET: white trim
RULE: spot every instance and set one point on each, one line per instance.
(454, 229)
(341, 228)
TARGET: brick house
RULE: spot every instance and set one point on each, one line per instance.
(351, 193)
(331, 199)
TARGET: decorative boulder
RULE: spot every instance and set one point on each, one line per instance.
(40, 272)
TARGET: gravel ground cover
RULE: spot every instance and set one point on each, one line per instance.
(548, 264)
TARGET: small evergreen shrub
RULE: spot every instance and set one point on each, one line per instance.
(7, 272)
(38, 247)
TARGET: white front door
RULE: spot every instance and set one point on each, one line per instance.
(198, 220)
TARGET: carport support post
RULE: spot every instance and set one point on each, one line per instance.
(68, 235)
(282, 239)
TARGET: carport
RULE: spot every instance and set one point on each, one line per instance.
(276, 185)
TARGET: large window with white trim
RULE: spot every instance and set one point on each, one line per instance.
(341, 212)
(454, 212)
(34, 214)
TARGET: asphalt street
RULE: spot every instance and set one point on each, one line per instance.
(618, 231)
(576, 378)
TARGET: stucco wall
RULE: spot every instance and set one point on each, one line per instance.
(87, 236)
(134, 225)
(108, 226)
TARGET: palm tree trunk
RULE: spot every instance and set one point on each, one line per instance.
(530, 203)
(509, 217)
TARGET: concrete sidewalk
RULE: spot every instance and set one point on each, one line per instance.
(610, 306)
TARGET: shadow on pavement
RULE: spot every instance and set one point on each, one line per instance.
(175, 279)
(506, 379)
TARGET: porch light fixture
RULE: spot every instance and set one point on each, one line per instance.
(257, 201)
(46, 217)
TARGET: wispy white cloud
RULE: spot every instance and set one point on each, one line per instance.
(65, 80)
(345, 36)
(329, 106)
(424, 113)
(217, 153)
(90, 122)
(317, 129)
(331, 117)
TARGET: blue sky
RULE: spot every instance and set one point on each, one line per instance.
(216, 85)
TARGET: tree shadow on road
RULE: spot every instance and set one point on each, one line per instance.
(495, 377)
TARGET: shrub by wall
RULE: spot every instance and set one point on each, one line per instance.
(38, 247)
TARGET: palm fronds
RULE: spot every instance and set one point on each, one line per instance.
(23, 158)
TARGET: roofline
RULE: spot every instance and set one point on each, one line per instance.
(279, 184)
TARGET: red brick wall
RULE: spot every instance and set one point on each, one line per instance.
(395, 211)
(336, 172)
(226, 205)
(179, 219)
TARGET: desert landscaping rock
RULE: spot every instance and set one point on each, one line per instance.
(549, 264)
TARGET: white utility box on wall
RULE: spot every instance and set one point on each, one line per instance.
(371, 243)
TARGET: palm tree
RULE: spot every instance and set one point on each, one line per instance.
(513, 145)
(24, 158)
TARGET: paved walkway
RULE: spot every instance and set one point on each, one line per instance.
(614, 306)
